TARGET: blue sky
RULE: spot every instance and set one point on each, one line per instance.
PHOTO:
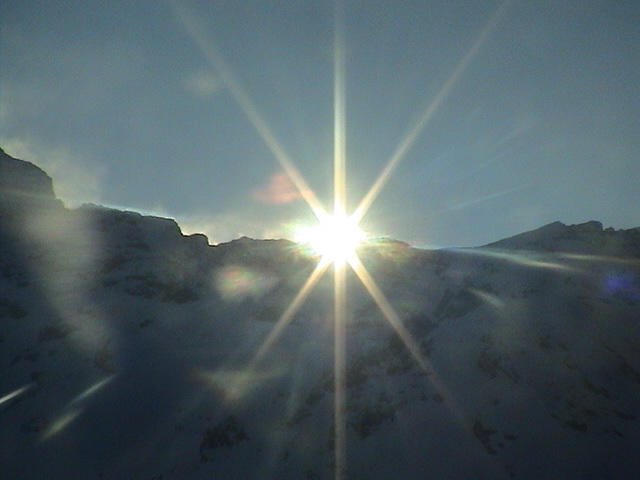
(122, 104)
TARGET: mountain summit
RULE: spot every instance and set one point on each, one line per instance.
(128, 351)
(587, 238)
(20, 177)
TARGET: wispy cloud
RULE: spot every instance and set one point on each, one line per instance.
(278, 191)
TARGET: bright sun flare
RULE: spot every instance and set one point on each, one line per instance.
(337, 236)
(335, 239)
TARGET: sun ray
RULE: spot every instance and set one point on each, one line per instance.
(488, 298)
(340, 347)
(410, 137)
(581, 257)
(396, 323)
(532, 259)
(390, 314)
(291, 310)
(196, 31)
(339, 120)
(92, 390)
(339, 266)
(491, 196)
(248, 374)
(17, 392)
(60, 423)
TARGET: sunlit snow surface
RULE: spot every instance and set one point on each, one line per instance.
(130, 351)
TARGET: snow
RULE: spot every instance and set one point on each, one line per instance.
(122, 357)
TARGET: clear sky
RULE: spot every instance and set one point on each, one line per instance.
(532, 110)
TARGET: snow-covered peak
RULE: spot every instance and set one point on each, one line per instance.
(584, 238)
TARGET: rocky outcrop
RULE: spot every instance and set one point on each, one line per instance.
(20, 178)
(25, 189)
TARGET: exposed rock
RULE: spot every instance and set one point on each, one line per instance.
(18, 177)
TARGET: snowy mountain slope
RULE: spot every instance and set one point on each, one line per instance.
(586, 238)
(124, 348)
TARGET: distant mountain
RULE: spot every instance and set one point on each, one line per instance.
(587, 238)
(127, 351)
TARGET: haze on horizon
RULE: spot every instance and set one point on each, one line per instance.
(121, 106)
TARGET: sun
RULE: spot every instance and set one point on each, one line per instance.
(335, 238)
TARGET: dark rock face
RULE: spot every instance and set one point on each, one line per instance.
(23, 179)
(26, 192)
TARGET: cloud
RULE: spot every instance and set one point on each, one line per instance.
(75, 180)
(280, 190)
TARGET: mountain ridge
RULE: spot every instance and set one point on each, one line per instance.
(128, 351)
(578, 238)
(23, 179)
